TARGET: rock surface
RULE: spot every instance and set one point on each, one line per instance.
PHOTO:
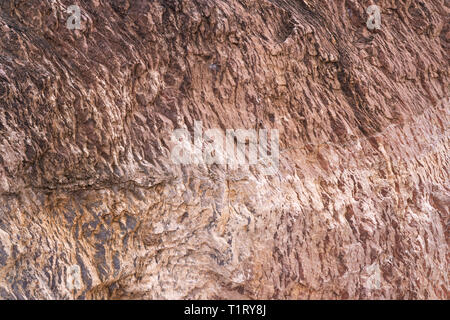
(91, 206)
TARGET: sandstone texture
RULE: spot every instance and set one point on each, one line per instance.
(92, 207)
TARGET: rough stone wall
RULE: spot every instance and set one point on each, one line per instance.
(359, 208)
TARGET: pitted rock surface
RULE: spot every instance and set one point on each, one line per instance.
(358, 209)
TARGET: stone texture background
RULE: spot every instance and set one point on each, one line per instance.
(359, 208)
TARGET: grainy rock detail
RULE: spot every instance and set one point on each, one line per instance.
(91, 207)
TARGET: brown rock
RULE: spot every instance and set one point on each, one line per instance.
(92, 206)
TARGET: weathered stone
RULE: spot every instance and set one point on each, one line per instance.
(359, 208)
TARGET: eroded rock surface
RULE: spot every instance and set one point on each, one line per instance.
(359, 208)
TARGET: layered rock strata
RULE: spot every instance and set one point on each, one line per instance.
(92, 207)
